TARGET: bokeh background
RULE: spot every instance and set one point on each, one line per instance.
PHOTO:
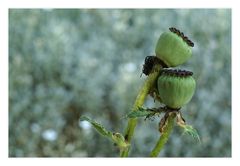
(68, 63)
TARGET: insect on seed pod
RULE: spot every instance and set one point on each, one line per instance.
(173, 48)
(149, 63)
(175, 87)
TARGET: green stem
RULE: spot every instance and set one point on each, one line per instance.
(144, 91)
(164, 136)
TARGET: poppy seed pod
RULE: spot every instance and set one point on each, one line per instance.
(173, 48)
(175, 87)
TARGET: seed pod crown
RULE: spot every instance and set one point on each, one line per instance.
(176, 72)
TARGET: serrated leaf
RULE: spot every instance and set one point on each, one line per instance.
(189, 130)
(138, 113)
(117, 138)
(120, 141)
(97, 126)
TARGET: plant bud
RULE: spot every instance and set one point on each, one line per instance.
(173, 48)
(175, 87)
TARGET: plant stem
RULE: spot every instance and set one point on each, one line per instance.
(164, 136)
(144, 91)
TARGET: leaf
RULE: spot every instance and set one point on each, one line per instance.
(97, 126)
(189, 130)
(141, 112)
(117, 138)
(120, 141)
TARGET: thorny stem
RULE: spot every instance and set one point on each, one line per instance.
(164, 136)
(144, 91)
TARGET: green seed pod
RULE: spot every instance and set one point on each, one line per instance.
(173, 48)
(175, 87)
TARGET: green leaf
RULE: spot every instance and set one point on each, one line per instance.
(117, 138)
(141, 112)
(120, 141)
(97, 126)
(189, 130)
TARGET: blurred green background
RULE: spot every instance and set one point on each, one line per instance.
(68, 63)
